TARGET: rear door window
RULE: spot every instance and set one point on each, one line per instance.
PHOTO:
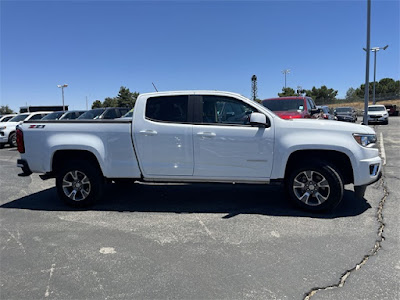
(167, 109)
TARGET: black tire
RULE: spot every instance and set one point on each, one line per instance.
(1, 146)
(12, 139)
(315, 186)
(79, 184)
(359, 191)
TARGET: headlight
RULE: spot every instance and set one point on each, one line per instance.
(3, 127)
(365, 140)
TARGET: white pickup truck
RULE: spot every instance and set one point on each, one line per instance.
(202, 136)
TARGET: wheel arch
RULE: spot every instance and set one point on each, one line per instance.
(61, 157)
(339, 160)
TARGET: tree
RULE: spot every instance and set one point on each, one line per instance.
(287, 92)
(126, 98)
(385, 88)
(4, 110)
(322, 94)
(110, 102)
(351, 94)
(97, 104)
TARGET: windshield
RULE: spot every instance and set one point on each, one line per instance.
(53, 116)
(343, 109)
(284, 104)
(92, 114)
(377, 108)
(5, 119)
(19, 118)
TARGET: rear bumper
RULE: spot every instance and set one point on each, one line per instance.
(23, 164)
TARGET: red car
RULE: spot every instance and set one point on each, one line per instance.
(292, 107)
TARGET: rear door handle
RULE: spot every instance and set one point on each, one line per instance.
(206, 134)
(148, 132)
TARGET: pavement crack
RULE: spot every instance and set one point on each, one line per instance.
(377, 246)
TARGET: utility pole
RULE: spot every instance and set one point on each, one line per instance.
(366, 87)
(86, 103)
(62, 91)
(285, 72)
(254, 87)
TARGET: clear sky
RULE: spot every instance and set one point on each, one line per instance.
(97, 46)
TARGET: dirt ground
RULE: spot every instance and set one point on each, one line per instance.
(360, 105)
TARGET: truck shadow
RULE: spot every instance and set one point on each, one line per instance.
(228, 199)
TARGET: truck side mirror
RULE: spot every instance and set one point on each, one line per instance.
(315, 111)
(259, 119)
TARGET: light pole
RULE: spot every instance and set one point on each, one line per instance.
(287, 71)
(62, 91)
(366, 87)
(375, 49)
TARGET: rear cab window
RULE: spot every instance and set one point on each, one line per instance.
(167, 109)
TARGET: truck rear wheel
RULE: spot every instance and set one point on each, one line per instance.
(79, 184)
(315, 186)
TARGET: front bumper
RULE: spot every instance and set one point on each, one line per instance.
(377, 119)
(3, 138)
(368, 171)
(345, 118)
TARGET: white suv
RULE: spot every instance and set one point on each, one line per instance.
(7, 129)
(378, 114)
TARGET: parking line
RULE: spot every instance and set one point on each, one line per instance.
(382, 146)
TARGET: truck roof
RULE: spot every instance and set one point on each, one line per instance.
(191, 92)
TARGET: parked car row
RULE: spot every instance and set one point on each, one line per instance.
(9, 123)
(297, 107)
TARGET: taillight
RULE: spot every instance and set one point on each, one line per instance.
(20, 141)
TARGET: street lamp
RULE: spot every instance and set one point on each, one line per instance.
(62, 91)
(375, 49)
(287, 71)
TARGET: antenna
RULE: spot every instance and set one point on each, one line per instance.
(154, 86)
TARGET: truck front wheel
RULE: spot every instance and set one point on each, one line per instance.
(315, 186)
(79, 184)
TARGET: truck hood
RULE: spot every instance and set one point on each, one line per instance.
(326, 125)
(10, 124)
(377, 113)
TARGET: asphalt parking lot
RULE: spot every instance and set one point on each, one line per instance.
(199, 241)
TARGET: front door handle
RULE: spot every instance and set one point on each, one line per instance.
(206, 134)
(148, 132)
